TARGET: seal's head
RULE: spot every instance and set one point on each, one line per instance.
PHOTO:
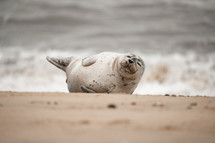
(130, 66)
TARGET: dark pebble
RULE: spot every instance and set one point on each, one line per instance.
(166, 95)
(112, 106)
(193, 104)
(173, 95)
(133, 103)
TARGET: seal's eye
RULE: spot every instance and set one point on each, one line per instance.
(139, 64)
(129, 56)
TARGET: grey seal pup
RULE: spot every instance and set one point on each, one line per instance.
(106, 72)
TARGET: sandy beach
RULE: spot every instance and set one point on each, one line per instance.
(175, 39)
(105, 118)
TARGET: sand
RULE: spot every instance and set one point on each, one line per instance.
(105, 118)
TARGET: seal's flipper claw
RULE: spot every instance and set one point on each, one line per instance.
(87, 90)
(61, 63)
(132, 92)
(111, 88)
(89, 61)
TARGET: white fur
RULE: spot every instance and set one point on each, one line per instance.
(104, 73)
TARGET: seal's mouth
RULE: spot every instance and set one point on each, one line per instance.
(130, 65)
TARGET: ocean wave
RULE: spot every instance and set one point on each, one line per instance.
(187, 74)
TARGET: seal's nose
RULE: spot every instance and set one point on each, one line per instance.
(131, 61)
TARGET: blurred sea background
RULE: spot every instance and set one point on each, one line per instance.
(175, 38)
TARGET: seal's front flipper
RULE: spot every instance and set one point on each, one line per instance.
(111, 87)
(61, 63)
(89, 61)
(87, 90)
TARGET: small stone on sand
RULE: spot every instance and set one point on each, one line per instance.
(158, 104)
(189, 107)
(193, 104)
(85, 122)
(133, 103)
(112, 106)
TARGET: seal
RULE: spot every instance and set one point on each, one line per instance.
(106, 72)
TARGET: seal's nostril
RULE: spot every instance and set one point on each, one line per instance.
(130, 61)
